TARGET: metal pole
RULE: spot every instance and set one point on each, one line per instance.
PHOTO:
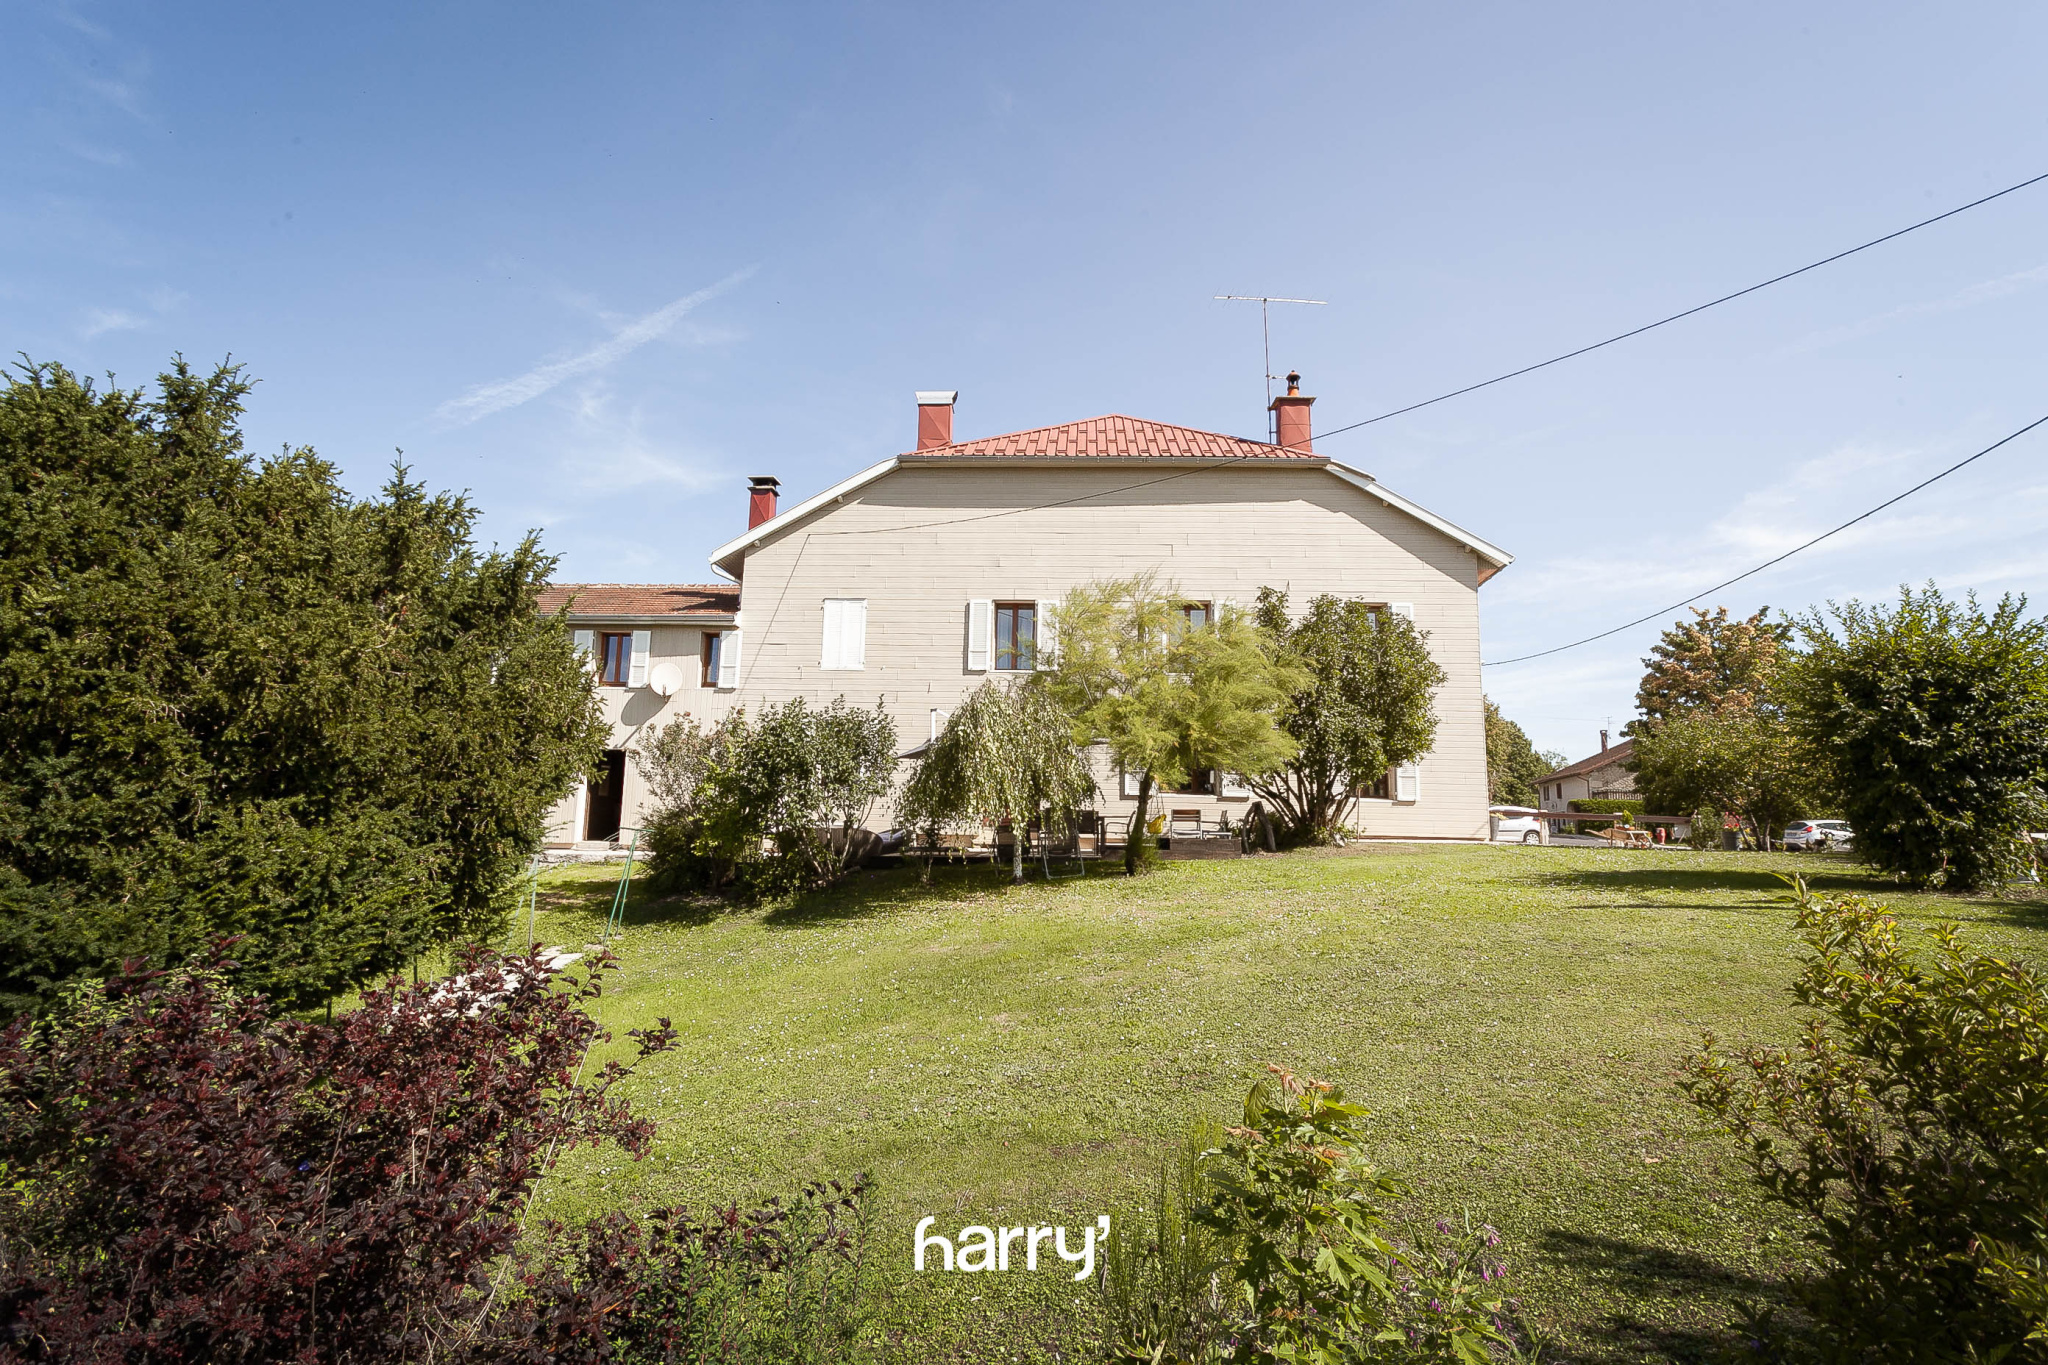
(617, 917)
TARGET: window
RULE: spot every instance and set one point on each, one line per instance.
(1380, 788)
(713, 640)
(846, 633)
(614, 658)
(1201, 782)
(1198, 615)
(1016, 637)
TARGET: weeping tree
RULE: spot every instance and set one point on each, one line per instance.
(1008, 752)
(1168, 695)
(1361, 704)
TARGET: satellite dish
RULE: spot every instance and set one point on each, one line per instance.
(665, 679)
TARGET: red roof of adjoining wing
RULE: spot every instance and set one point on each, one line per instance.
(641, 599)
(1118, 437)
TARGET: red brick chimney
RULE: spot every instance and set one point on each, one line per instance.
(935, 417)
(761, 499)
(1290, 412)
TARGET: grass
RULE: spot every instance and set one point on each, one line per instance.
(1511, 1016)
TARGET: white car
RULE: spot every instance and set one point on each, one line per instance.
(1804, 835)
(1515, 825)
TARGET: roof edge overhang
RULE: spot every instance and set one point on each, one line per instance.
(676, 618)
(1492, 558)
(730, 557)
(1151, 461)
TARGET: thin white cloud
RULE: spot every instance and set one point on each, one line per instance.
(485, 399)
(609, 450)
(1981, 292)
(102, 320)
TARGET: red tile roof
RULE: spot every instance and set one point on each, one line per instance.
(1614, 753)
(1118, 437)
(642, 599)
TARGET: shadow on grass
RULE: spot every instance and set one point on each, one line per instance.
(587, 903)
(1702, 1288)
(886, 891)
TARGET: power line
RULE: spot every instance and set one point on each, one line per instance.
(1454, 393)
(1697, 308)
(1748, 573)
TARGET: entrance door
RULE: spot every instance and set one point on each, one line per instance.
(606, 798)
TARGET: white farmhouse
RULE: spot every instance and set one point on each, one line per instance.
(917, 578)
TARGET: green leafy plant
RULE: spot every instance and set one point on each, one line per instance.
(1274, 1245)
(1360, 702)
(1931, 722)
(1165, 696)
(1007, 753)
(1744, 759)
(1513, 763)
(772, 804)
(1909, 1125)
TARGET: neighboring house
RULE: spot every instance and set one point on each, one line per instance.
(1603, 777)
(919, 577)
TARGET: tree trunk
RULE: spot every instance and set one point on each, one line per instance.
(1137, 830)
(1016, 851)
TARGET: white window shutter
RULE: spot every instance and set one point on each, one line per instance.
(1404, 610)
(835, 625)
(585, 641)
(1041, 618)
(1234, 785)
(636, 667)
(939, 719)
(981, 626)
(846, 633)
(1130, 784)
(729, 659)
(853, 635)
(1408, 782)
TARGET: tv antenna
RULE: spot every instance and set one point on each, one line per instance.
(1265, 301)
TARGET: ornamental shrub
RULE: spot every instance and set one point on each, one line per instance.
(766, 805)
(1909, 1124)
(187, 1177)
(1931, 723)
(1270, 1241)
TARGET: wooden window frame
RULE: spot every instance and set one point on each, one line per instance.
(708, 650)
(1188, 611)
(997, 649)
(612, 661)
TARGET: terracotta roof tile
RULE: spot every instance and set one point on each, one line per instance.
(642, 599)
(1118, 437)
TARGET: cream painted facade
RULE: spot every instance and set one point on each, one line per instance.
(917, 541)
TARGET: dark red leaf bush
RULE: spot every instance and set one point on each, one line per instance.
(186, 1177)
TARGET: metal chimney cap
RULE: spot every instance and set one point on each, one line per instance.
(937, 398)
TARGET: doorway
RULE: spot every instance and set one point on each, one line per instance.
(606, 799)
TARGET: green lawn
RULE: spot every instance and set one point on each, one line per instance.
(1511, 1016)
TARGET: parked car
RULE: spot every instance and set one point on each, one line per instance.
(1516, 824)
(1804, 835)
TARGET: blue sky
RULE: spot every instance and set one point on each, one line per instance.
(597, 264)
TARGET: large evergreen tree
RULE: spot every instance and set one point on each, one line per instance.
(236, 700)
